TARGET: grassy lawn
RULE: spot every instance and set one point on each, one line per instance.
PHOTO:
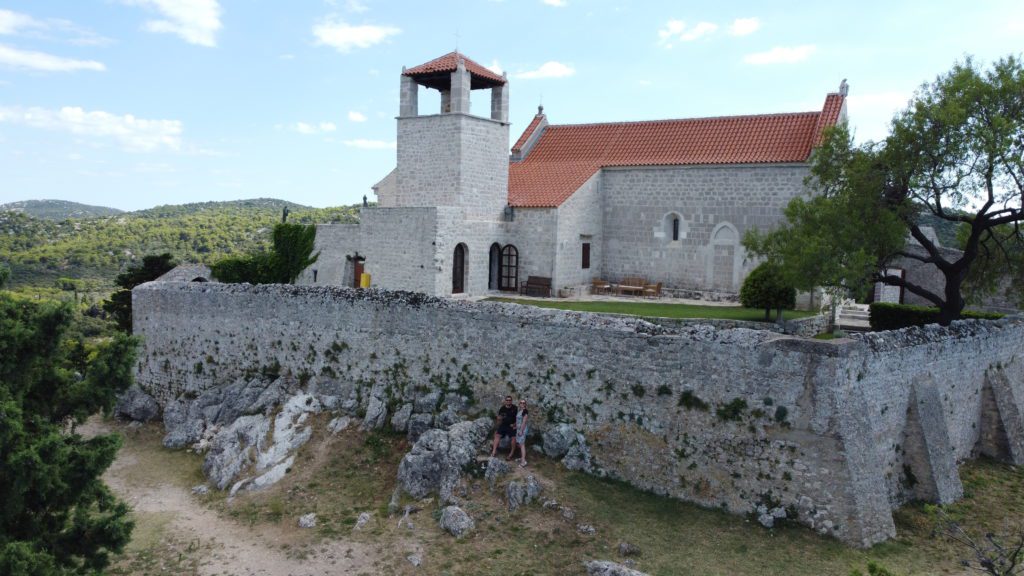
(657, 310)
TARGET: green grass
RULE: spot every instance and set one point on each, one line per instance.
(657, 310)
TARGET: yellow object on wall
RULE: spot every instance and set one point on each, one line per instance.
(364, 280)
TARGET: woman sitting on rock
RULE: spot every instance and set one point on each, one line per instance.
(522, 427)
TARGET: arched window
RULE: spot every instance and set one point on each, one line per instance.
(459, 269)
(494, 267)
(509, 268)
(673, 228)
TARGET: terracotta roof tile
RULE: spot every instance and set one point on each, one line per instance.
(448, 63)
(527, 133)
(566, 156)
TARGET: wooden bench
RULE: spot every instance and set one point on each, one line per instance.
(537, 286)
(632, 285)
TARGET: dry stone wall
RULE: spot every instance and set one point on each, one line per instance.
(831, 434)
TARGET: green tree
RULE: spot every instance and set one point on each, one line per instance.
(56, 517)
(292, 252)
(119, 306)
(954, 153)
(5, 274)
(765, 287)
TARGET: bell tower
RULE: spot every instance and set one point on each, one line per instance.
(453, 157)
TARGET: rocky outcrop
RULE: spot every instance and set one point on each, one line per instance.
(435, 462)
(606, 568)
(185, 419)
(558, 439)
(455, 521)
(137, 406)
(244, 445)
(522, 493)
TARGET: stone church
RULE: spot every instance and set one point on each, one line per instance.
(665, 200)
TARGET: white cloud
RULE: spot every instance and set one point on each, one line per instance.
(28, 59)
(136, 134)
(556, 3)
(195, 21)
(547, 70)
(677, 31)
(313, 128)
(286, 57)
(744, 26)
(495, 67)
(356, 6)
(370, 144)
(12, 23)
(356, 116)
(781, 55)
(344, 37)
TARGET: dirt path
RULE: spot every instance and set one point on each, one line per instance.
(177, 534)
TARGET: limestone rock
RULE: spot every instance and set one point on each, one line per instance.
(231, 451)
(514, 494)
(137, 406)
(533, 489)
(376, 414)
(578, 456)
(415, 560)
(628, 549)
(558, 439)
(417, 425)
(400, 421)
(606, 568)
(338, 424)
(182, 429)
(455, 521)
(244, 444)
(200, 490)
(435, 462)
(448, 417)
(362, 520)
(586, 529)
(496, 467)
(307, 520)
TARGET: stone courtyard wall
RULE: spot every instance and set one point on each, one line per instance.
(836, 433)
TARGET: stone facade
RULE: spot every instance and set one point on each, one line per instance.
(835, 433)
(716, 205)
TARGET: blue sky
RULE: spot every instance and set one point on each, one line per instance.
(136, 103)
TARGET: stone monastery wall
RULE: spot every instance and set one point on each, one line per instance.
(716, 206)
(832, 434)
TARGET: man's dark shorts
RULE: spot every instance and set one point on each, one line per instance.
(506, 431)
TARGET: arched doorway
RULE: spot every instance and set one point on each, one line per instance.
(494, 267)
(459, 269)
(509, 268)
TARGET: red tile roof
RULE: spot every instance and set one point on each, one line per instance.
(448, 63)
(527, 133)
(566, 156)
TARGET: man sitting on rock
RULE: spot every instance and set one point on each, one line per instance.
(506, 423)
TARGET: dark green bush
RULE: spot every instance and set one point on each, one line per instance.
(888, 316)
(765, 288)
(691, 401)
(291, 253)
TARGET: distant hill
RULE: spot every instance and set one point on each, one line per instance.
(40, 250)
(58, 209)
